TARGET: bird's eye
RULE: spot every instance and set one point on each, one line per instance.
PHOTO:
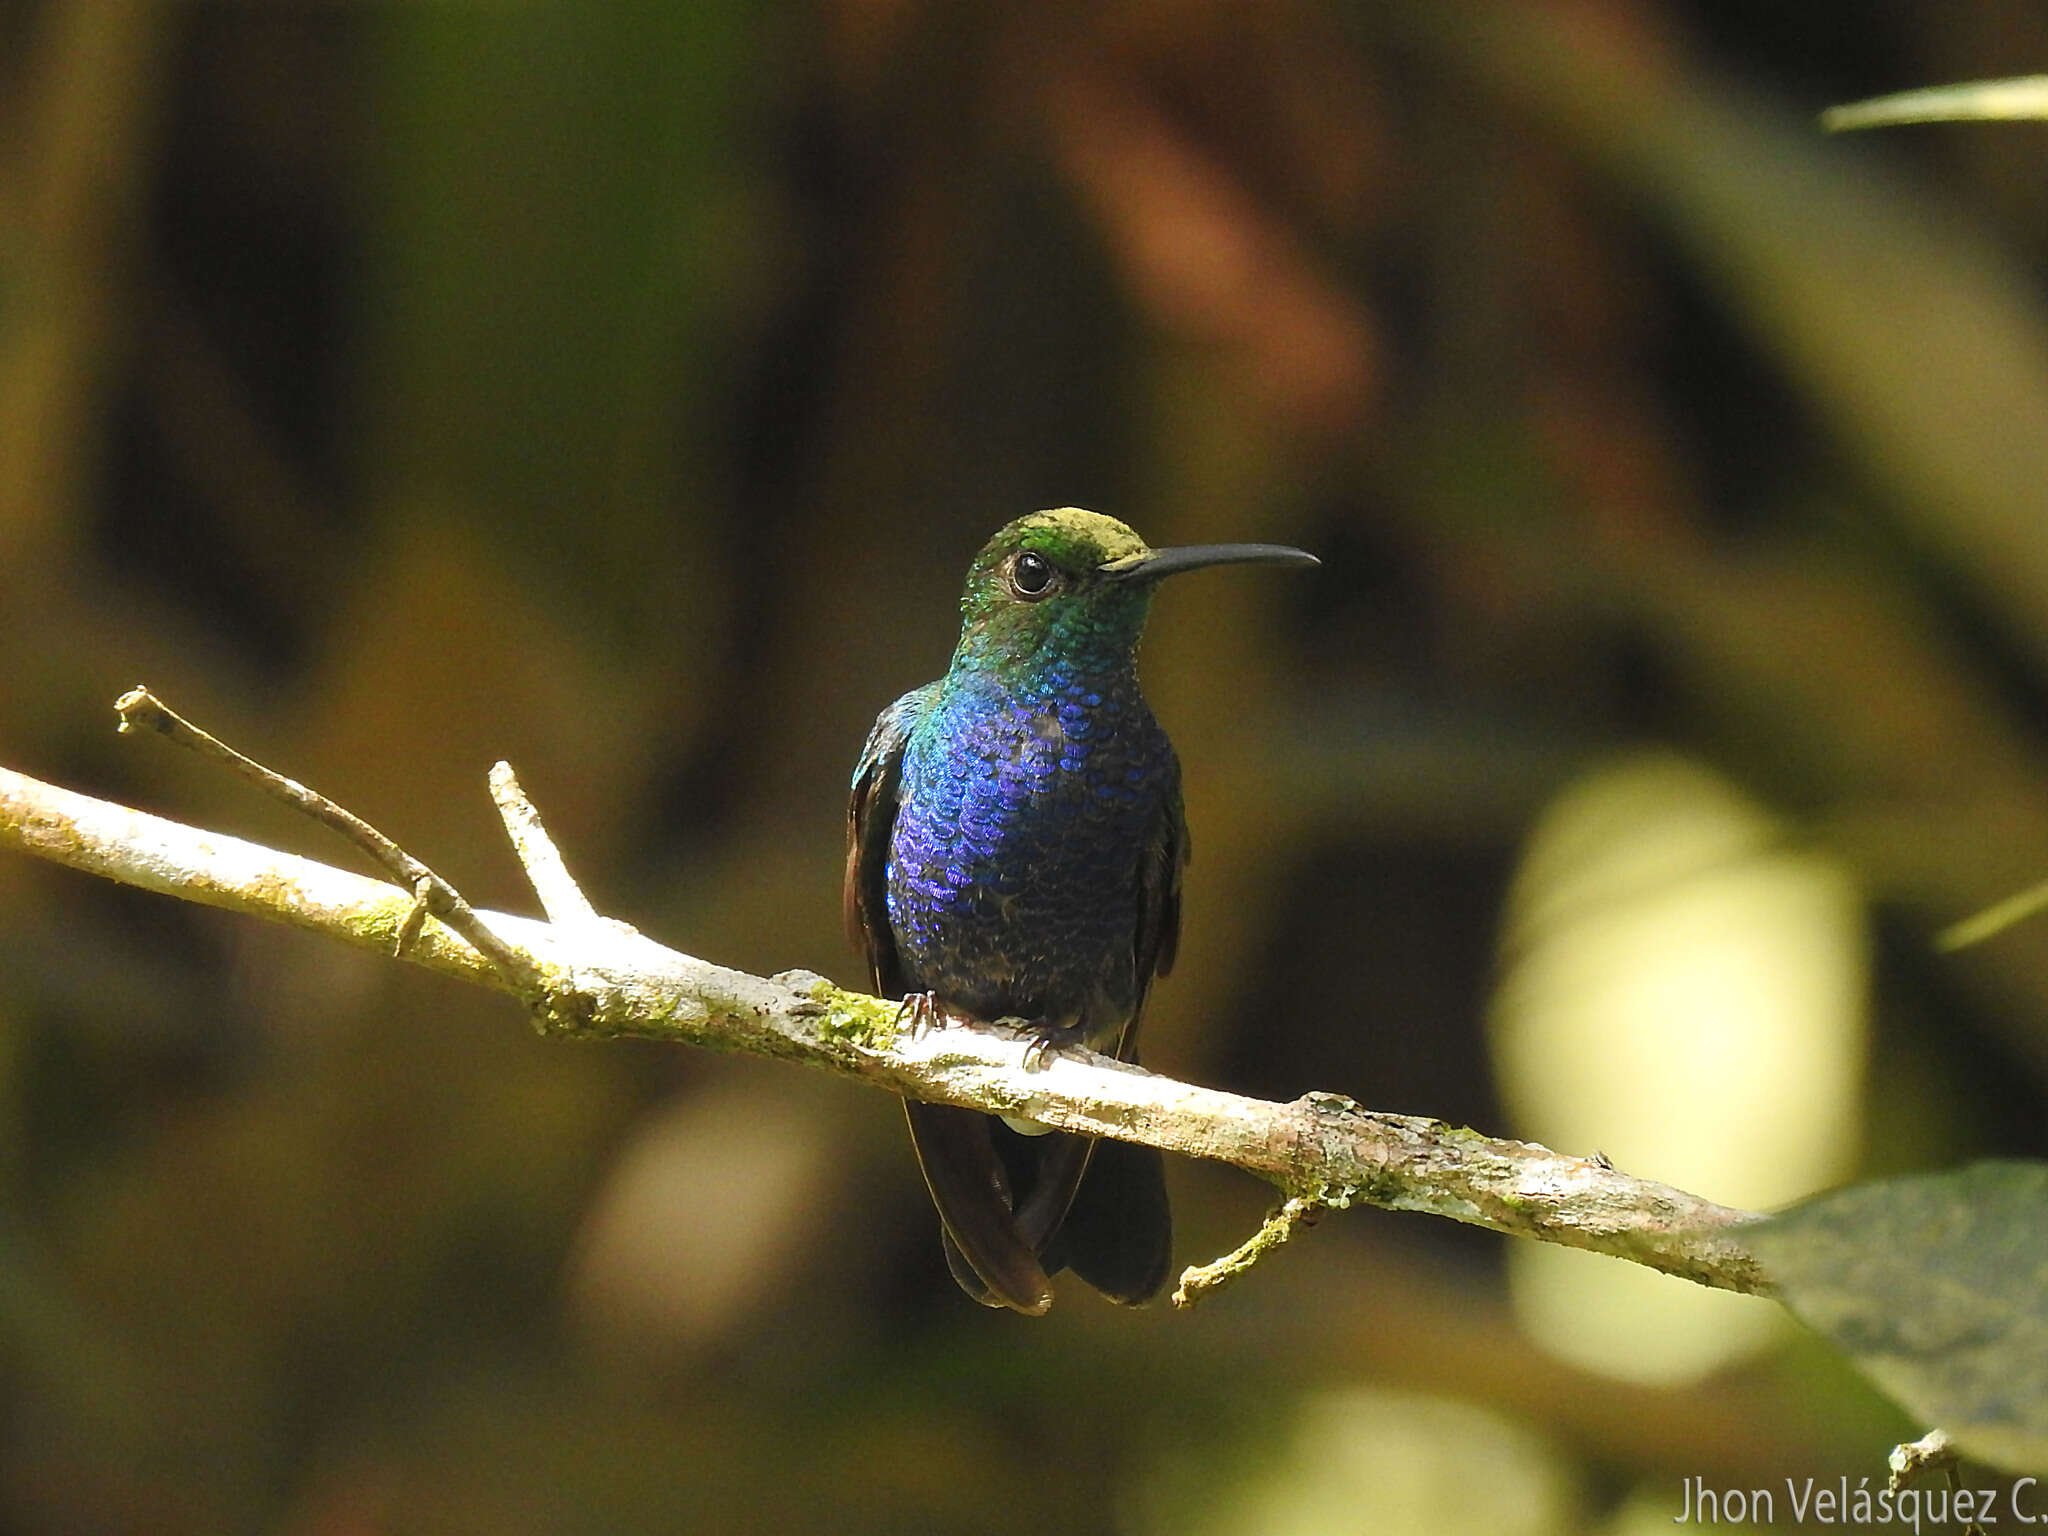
(1031, 576)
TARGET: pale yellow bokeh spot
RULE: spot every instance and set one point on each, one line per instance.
(1366, 1460)
(1684, 991)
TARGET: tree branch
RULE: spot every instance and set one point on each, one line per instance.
(597, 979)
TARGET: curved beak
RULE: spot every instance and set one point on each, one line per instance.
(1156, 563)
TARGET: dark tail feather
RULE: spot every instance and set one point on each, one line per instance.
(1098, 1208)
(972, 1192)
(1118, 1235)
(963, 1272)
(1045, 1172)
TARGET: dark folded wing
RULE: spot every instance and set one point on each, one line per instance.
(870, 817)
(1156, 937)
(1118, 1231)
(956, 1153)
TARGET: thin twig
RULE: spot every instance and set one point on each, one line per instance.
(560, 896)
(1932, 1452)
(1198, 1280)
(142, 710)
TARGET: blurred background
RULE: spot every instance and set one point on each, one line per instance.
(622, 390)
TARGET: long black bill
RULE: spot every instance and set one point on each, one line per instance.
(1194, 557)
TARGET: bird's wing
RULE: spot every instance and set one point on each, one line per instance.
(965, 1176)
(954, 1149)
(1117, 1230)
(1156, 936)
(870, 816)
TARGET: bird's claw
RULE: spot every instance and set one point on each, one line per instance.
(1046, 1040)
(921, 1011)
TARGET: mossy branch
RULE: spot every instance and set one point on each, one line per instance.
(586, 976)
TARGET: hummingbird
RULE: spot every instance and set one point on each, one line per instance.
(1015, 840)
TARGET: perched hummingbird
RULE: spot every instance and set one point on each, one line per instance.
(1014, 850)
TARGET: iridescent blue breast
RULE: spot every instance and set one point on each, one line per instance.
(1022, 818)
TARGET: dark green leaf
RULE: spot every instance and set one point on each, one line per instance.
(1937, 1287)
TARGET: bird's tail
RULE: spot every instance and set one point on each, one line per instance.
(1018, 1209)
(971, 1189)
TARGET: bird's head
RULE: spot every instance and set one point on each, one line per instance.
(1077, 585)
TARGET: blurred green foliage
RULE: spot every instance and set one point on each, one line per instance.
(622, 390)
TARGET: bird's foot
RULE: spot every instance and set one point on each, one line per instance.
(920, 1011)
(1045, 1040)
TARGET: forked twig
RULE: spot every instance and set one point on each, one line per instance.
(142, 710)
